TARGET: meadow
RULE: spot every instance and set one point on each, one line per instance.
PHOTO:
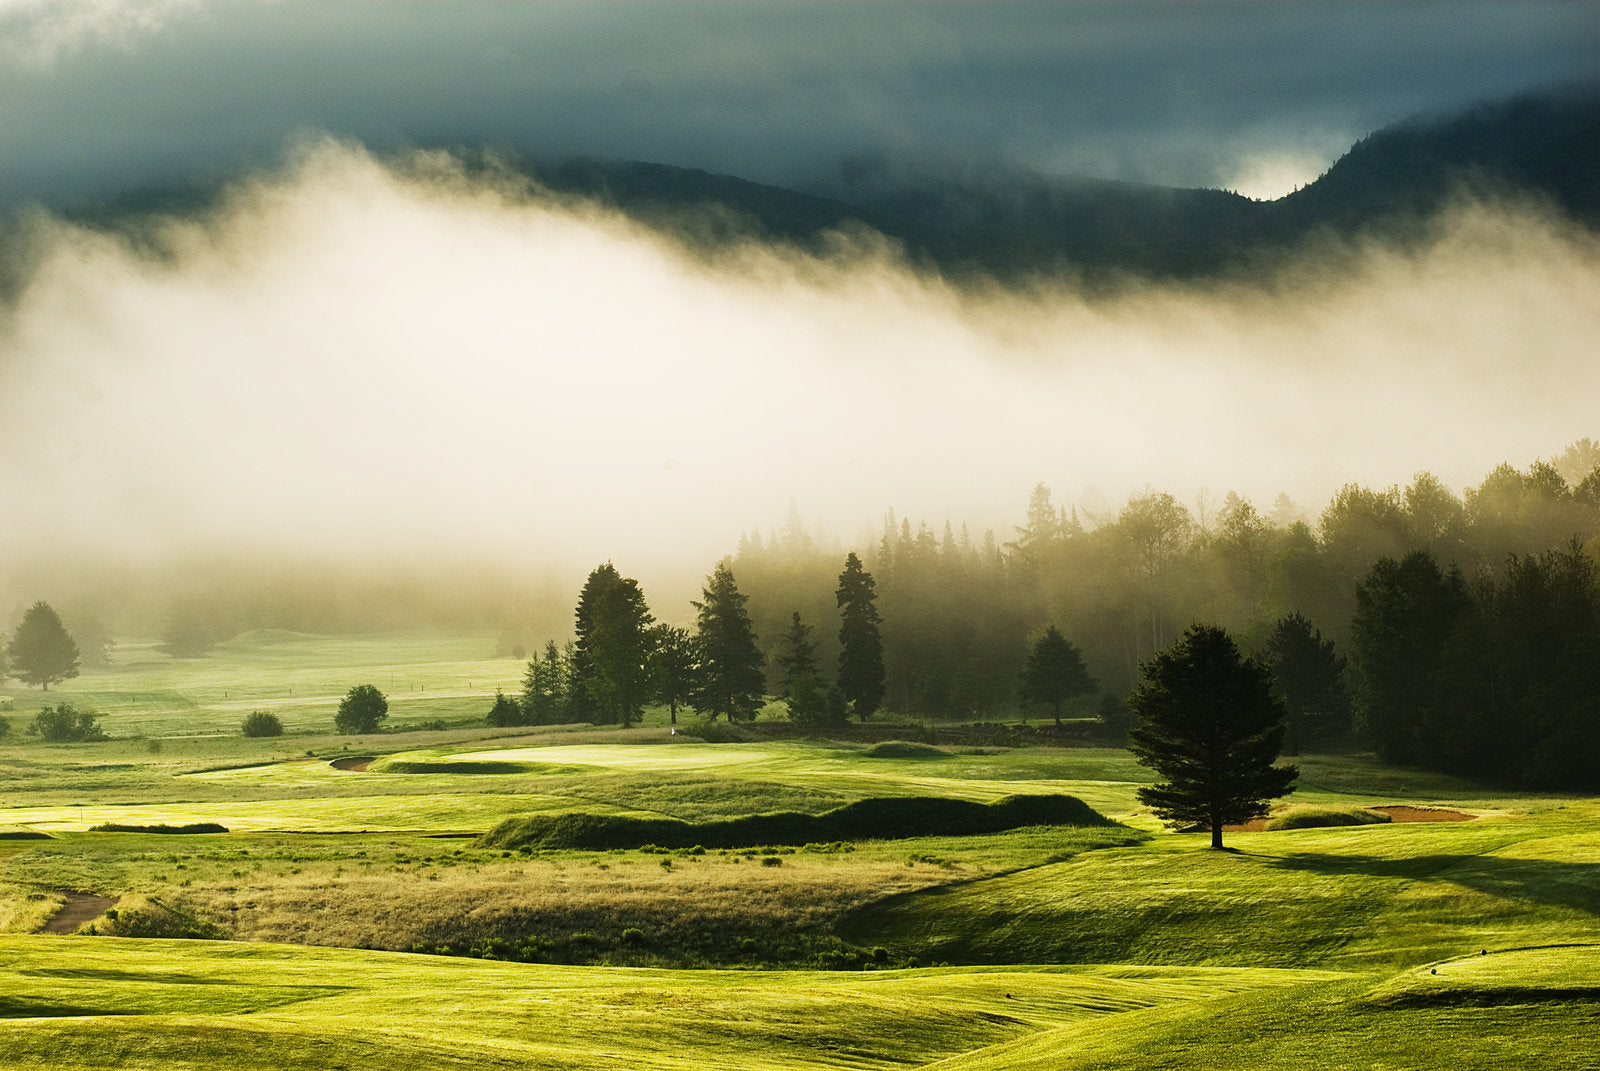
(356, 919)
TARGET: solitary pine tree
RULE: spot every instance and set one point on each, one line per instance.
(729, 678)
(1055, 672)
(41, 652)
(861, 645)
(1209, 724)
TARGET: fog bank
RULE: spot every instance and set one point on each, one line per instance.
(357, 360)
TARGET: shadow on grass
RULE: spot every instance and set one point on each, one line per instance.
(1542, 881)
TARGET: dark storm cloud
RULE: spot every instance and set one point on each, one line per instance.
(97, 95)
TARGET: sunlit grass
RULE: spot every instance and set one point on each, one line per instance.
(165, 1004)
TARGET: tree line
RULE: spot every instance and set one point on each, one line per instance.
(620, 659)
(1503, 646)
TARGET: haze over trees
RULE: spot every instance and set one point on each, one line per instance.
(958, 612)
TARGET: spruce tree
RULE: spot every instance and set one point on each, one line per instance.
(1209, 724)
(861, 645)
(41, 652)
(1055, 672)
(729, 679)
(798, 654)
(611, 673)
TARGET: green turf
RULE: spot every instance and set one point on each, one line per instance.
(1311, 947)
(156, 1004)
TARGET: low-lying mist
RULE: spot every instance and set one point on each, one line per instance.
(354, 360)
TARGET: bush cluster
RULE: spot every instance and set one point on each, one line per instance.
(66, 724)
(261, 723)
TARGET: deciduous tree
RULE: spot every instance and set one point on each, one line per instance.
(362, 710)
(672, 667)
(41, 652)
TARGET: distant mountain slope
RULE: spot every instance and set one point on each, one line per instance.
(1546, 145)
(1013, 227)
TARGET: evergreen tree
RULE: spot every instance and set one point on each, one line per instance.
(1209, 724)
(41, 652)
(619, 652)
(729, 679)
(1055, 672)
(544, 687)
(610, 674)
(861, 669)
(672, 666)
(505, 711)
(1309, 678)
(797, 654)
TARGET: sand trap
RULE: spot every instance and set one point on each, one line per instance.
(352, 763)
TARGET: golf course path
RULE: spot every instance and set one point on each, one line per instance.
(79, 908)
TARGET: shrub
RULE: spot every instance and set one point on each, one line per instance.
(633, 936)
(506, 711)
(261, 723)
(66, 724)
(151, 918)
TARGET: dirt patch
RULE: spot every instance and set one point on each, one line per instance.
(79, 908)
(352, 763)
(1402, 812)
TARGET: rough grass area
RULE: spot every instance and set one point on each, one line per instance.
(896, 818)
(1378, 896)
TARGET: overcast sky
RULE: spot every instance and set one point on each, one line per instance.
(106, 94)
(364, 352)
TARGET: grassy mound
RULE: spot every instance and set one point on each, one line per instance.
(442, 766)
(1318, 817)
(905, 749)
(192, 827)
(892, 818)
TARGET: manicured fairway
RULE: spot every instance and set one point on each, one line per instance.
(155, 1004)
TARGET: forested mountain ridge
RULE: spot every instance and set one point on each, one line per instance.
(974, 224)
(1545, 147)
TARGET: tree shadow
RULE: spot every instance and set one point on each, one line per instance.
(1553, 883)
